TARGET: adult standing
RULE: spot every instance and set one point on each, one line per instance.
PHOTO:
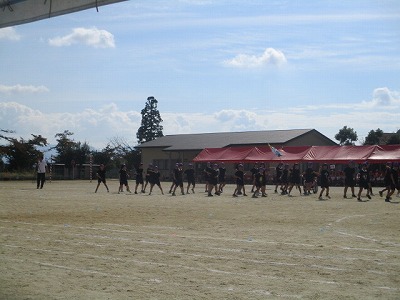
(41, 167)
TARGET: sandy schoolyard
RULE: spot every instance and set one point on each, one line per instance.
(66, 242)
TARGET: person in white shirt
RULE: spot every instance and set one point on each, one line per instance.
(41, 171)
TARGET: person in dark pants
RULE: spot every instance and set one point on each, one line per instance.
(123, 179)
(325, 179)
(139, 178)
(363, 177)
(178, 179)
(41, 167)
(191, 179)
(101, 177)
(349, 181)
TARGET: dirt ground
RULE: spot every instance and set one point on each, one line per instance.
(66, 242)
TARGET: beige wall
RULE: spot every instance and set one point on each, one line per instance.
(310, 139)
(165, 159)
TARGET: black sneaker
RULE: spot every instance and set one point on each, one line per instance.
(387, 200)
(368, 196)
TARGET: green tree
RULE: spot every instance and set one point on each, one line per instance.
(394, 139)
(150, 127)
(70, 152)
(22, 154)
(373, 137)
(4, 135)
(124, 153)
(104, 156)
(64, 147)
(346, 136)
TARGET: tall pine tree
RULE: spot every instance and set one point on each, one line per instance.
(150, 128)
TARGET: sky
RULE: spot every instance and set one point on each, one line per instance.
(213, 66)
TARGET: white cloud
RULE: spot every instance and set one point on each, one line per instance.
(88, 36)
(12, 89)
(9, 33)
(94, 126)
(270, 56)
(98, 126)
(384, 97)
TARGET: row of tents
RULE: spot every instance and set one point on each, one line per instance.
(321, 154)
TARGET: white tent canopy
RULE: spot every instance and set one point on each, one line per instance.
(15, 12)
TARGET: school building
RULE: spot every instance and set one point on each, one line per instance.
(165, 151)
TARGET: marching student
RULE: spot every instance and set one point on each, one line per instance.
(239, 175)
(325, 179)
(213, 181)
(154, 179)
(101, 177)
(191, 179)
(390, 182)
(221, 177)
(254, 171)
(147, 178)
(139, 178)
(260, 182)
(285, 179)
(178, 179)
(123, 179)
(363, 177)
(309, 179)
(278, 176)
(173, 184)
(294, 179)
(206, 171)
(396, 177)
(349, 179)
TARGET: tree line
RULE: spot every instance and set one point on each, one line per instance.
(19, 154)
(348, 136)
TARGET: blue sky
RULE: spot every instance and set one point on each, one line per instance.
(212, 65)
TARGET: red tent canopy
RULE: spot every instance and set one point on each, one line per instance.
(331, 154)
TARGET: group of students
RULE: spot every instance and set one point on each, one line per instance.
(286, 179)
(363, 176)
(152, 178)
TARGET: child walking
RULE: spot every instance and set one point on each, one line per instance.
(325, 178)
(123, 179)
(101, 177)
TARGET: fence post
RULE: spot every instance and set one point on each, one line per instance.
(90, 166)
